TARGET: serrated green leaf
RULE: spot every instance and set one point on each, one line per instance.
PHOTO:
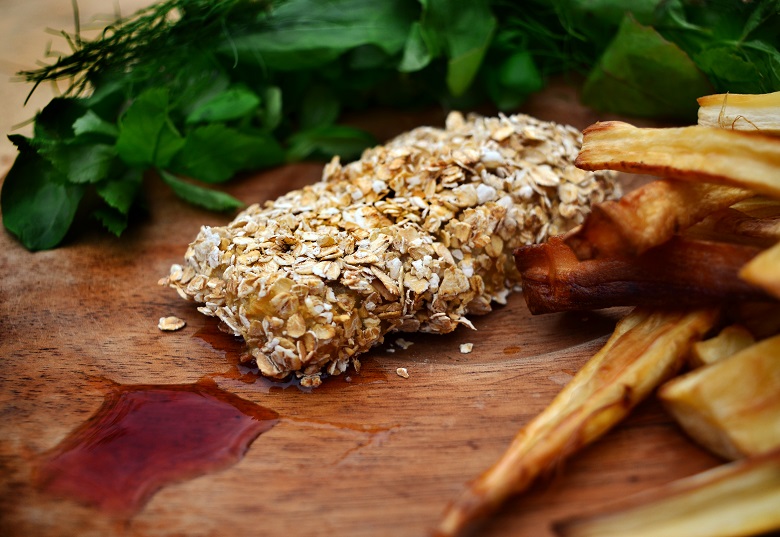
(91, 123)
(214, 153)
(233, 103)
(80, 163)
(147, 136)
(212, 200)
(120, 193)
(113, 220)
(38, 204)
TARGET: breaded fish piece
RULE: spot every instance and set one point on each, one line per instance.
(414, 236)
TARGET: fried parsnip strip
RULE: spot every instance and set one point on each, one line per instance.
(731, 407)
(646, 348)
(729, 341)
(764, 270)
(648, 216)
(741, 112)
(732, 225)
(739, 498)
(680, 271)
(699, 154)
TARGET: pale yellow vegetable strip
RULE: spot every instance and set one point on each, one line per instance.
(731, 407)
(740, 498)
(729, 341)
(648, 216)
(646, 348)
(759, 112)
(764, 270)
(701, 154)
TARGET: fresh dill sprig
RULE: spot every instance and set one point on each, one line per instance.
(147, 42)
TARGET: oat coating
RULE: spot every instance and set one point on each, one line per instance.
(414, 236)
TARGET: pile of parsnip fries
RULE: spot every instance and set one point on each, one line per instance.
(697, 252)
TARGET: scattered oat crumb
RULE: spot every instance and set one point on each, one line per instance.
(170, 324)
(402, 372)
(404, 344)
(466, 348)
(390, 349)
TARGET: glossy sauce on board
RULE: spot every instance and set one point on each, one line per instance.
(144, 437)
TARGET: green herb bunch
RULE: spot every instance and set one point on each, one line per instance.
(200, 90)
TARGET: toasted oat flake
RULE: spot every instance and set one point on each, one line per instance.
(415, 236)
(404, 344)
(402, 372)
(466, 348)
(170, 324)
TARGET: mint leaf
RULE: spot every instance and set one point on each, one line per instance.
(233, 103)
(463, 30)
(324, 142)
(214, 153)
(202, 197)
(643, 74)
(38, 204)
(147, 136)
(302, 34)
(419, 50)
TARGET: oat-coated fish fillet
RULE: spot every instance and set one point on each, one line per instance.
(414, 236)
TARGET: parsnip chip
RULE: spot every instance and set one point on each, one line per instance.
(648, 216)
(732, 225)
(731, 407)
(740, 498)
(741, 112)
(729, 341)
(764, 270)
(681, 271)
(700, 154)
(646, 348)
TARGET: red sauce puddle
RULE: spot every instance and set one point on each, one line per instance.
(144, 437)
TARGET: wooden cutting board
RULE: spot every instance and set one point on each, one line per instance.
(378, 455)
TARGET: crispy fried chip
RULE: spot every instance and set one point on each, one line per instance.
(646, 348)
(731, 407)
(730, 340)
(648, 216)
(700, 154)
(764, 270)
(739, 498)
(741, 112)
(681, 271)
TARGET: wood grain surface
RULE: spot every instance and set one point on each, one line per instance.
(378, 455)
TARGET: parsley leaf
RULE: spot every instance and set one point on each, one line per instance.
(197, 195)
(214, 153)
(147, 136)
(643, 74)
